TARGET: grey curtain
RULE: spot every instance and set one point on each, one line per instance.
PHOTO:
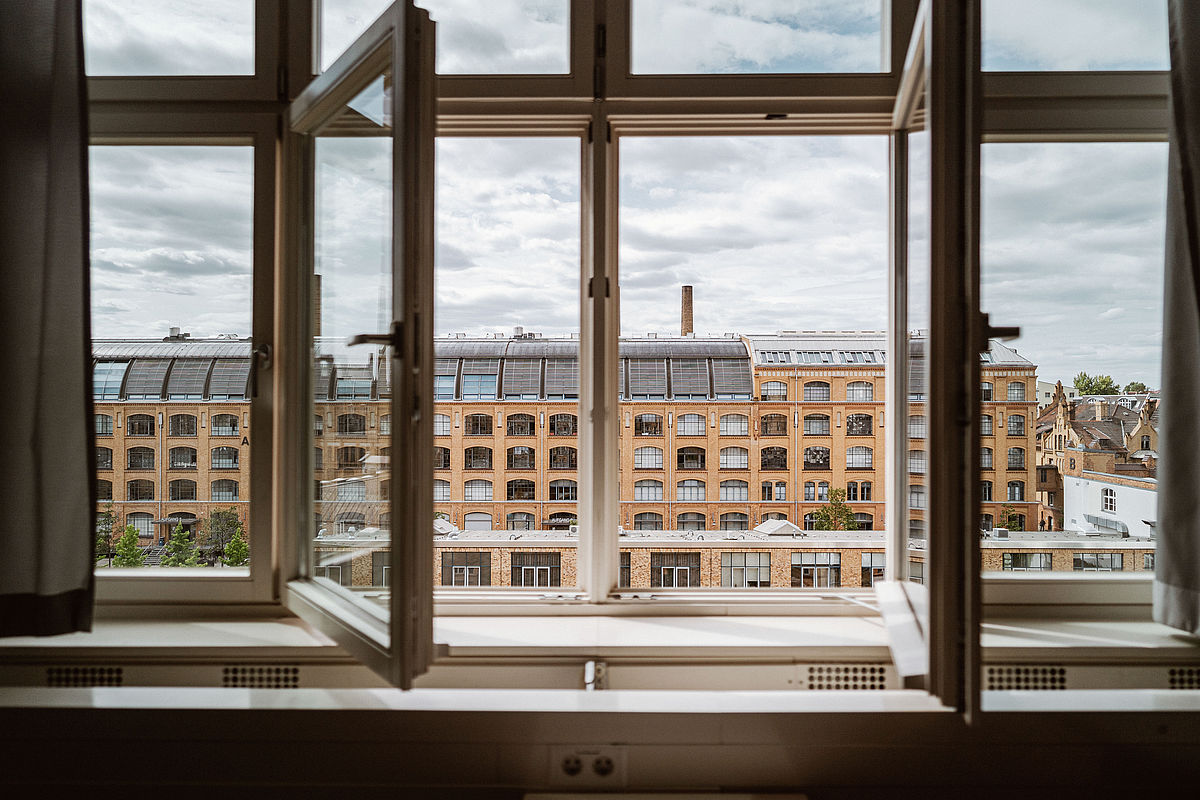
(47, 466)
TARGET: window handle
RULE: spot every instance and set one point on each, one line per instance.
(394, 339)
(260, 358)
(1002, 332)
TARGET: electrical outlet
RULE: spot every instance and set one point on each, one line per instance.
(587, 766)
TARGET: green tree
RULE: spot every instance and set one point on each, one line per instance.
(237, 552)
(181, 549)
(128, 552)
(218, 530)
(836, 515)
(1008, 518)
(104, 530)
(1135, 387)
(1095, 384)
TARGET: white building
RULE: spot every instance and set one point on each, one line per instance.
(1095, 502)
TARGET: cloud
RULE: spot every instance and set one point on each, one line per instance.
(168, 37)
(1074, 35)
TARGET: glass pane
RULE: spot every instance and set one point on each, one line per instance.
(1074, 467)
(352, 385)
(686, 37)
(1020, 35)
(474, 37)
(753, 304)
(168, 37)
(172, 262)
(506, 318)
(917, 458)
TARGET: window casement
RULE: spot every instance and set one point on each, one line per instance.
(734, 458)
(385, 424)
(860, 458)
(852, 491)
(985, 458)
(916, 496)
(865, 490)
(735, 425)
(139, 458)
(318, 424)
(1098, 562)
(860, 391)
(104, 425)
(351, 425)
(224, 491)
(318, 459)
(563, 490)
(477, 489)
(816, 424)
(773, 390)
(691, 521)
(104, 458)
(1148, 561)
(648, 425)
(441, 425)
(625, 575)
(810, 491)
(773, 425)
(521, 457)
(182, 458)
(916, 462)
(1146, 442)
(224, 425)
(536, 569)
(858, 425)
(674, 569)
(873, 567)
(690, 458)
(564, 425)
(564, 458)
(916, 426)
(142, 522)
(1016, 490)
(864, 521)
(104, 489)
(822, 491)
(816, 569)
(139, 425)
(985, 491)
(350, 491)
(224, 458)
(521, 490)
(139, 490)
(734, 521)
(181, 425)
(466, 568)
(816, 392)
(1016, 423)
(734, 491)
(349, 458)
(987, 522)
(1016, 391)
(816, 458)
(441, 458)
(477, 425)
(1108, 499)
(1016, 458)
(773, 458)
(689, 425)
(985, 391)
(691, 490)
(1026, 562)
(520, 521)
(985, 425)
(745, 570)
(518, 425)
(648, 458)
(647, 491)
(441, 490)
(648, 521)
(477, 458)
(477, 521)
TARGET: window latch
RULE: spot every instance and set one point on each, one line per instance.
(394, 339)
(260, 358)
(989, 332)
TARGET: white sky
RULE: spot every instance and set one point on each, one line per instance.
(773, 232)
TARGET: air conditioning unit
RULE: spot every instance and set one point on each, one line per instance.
(999, 533)
(573, 530)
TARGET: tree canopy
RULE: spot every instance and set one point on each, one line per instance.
(237, 552)
(128, 552)
(1095, 384)
(181, 549)
(836, 515)
(1135, 387)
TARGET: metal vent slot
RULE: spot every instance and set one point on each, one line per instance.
(1041, 677)
(275, 676)
(562, 377)
(60, 677)
(1183, 678)
(826, 677)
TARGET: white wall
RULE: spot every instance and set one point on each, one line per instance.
(1082, 495)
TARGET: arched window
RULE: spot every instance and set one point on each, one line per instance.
(521, 490)
(1016, 490)
(859, 458)
(648, 425)
(351, 425)
(351, 458)
(441, 490)
(816, 458)
(477, 425)
(781, 490)
(691, 521)
(689, 491)
(563, 424)
(986, 522)
(477, 521)
(564, 490)
(774, 515)
(441, 424)
(520, 521)
(816, 424)
(916, 426)
(1016, 424)
(865, 490)
(773, 458)
(985, 490)
(441, 458)
(139, 425)
(1016, 458)
(860, 391)
(810, 521)
(224, 458)
(985, 425)
(224, 425)
(477, 458)
(477, 490)
(521, 457)
(318, 424)
(385, 425)
(916, 462)
(139, 458)
(773, 425)
(985, 458)
(518, 425)
(816, 391)
(690, 458)
(858, 425)
(647, 521)
(104, 490)
(774, 390)
(864, 521)
(104, 458)
(139, 490)
(810, 490)
(355, 491)
(1016, 391)
(735, 458)
(564, 458)
(647, 491)
(647, 458)
(735, 521)
(142, 522)
(104, 425)
(689, 425)
(985, 391)
(182, 457)
(224, 490)
(318, 458)
(183, 425)
(735, 425)
(735, 491)
(1108, 499)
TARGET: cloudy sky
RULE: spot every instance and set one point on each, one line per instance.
(774, 232)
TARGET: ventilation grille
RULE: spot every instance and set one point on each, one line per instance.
(84, 676)
(847, 676)
(260, 677)
(1041, 677)
(1183, 678)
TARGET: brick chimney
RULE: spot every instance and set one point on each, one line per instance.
(685, 314)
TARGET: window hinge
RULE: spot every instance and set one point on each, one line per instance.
(260, 359)
(595, 676)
